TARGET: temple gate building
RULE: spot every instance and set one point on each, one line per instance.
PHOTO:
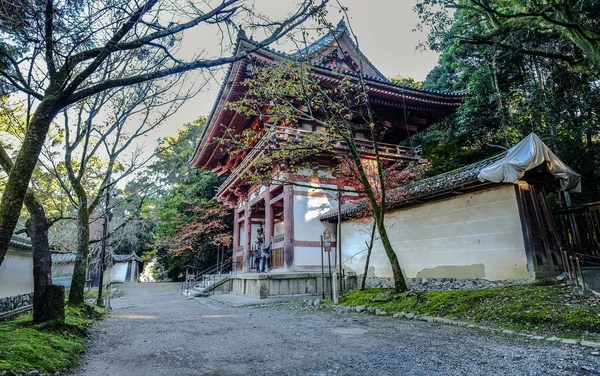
(291, 213)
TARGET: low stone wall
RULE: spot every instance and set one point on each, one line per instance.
(11, 303)
(442, 284)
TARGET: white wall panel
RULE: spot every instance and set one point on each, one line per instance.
(475, 235)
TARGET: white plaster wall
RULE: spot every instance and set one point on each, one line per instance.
(62, 274)
(476, 235)
(253, 235)
(306, 256)
(117, 272)
(278, 228)
(62, 270)
(242, 235)
(308, 227)
(309, 258)
(16, 273)
(307, 211)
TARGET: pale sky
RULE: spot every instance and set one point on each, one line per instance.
(385, 32)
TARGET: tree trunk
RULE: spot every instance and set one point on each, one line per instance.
(37, 228)
(378, 211)
(83, 246)
(54, 308)
(369, 249)
(504, 115)
(399, 282)
(13, 195)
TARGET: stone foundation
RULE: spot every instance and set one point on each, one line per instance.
(11, 303)
(262, 285)
(442, 284)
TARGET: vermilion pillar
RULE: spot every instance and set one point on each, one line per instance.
(247, 238)
(236, 236)
(288, 227)
(269, 224)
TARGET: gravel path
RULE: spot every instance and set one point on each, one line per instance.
(153, 330)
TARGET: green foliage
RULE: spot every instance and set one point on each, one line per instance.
(175, 152)
(190, 225)
(540, 309)
(48, 347)
(406, 81)
(521, 75)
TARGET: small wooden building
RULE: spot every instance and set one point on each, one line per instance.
(124, 268)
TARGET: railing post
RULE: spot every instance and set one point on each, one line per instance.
(562, 256)
(574, 271)
(580, 273)
(567, 265)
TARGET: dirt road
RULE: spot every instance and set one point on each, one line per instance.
(153, 330)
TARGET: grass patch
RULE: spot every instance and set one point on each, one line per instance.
(92, 294)
(47, 347)
(533, 308)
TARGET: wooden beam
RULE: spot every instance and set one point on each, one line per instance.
(410, 127)
(419, 121)
(276, 199)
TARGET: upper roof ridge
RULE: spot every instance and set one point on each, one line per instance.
(341, 25)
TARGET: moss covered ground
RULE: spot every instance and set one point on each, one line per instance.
(48, 347)
(92, 294)
(556, 310)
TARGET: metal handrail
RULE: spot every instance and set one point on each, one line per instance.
(208, 274)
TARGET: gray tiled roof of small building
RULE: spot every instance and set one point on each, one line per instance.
(63, 258)
(121, 258)
(20, 242)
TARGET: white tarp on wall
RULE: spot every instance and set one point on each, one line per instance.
(527, 155)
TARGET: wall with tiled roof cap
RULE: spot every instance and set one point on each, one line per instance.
(16, 271)
(475, 235)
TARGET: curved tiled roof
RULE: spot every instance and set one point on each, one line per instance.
(63, 258)
(322, 42)
(405, 89)
(124, 258)
(325, 40)
(22, 242)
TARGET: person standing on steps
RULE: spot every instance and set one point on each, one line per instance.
(257, 260)
(260, 240)
(265, 253)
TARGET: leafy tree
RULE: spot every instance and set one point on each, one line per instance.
(47, 299)
(407, 81)
(70, 51)
(522, 73)
(515, 26)
(190, 225)
(98, 152)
